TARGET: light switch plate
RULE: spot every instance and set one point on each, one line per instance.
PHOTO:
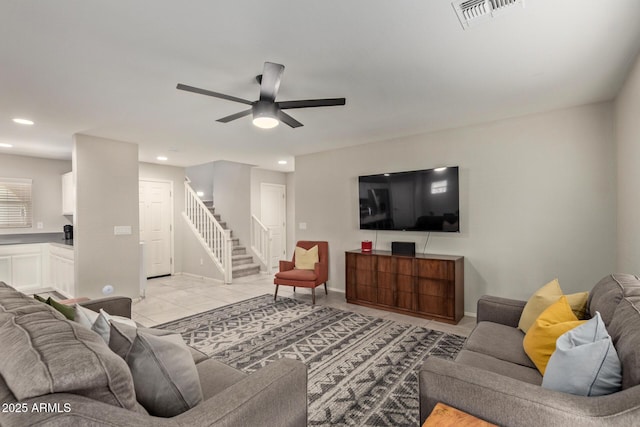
(122, 230)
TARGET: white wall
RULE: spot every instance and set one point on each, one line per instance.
(106, 176)
(628, 144)
(291, 214)
(46, 191)
(231, 195)
(201, 177)
(537, 200)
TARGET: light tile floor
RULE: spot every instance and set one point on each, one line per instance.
(170, 298)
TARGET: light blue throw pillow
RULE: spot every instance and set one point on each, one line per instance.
(585, 362)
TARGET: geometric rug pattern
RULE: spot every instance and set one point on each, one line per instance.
(362, 370)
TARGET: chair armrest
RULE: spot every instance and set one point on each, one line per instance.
(117, 306)
(286, 265)
(275, 395)
(321, 271)
(499, 310)
(508, 402)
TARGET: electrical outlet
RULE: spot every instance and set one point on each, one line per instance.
(39, 225)
(302, 226)
(201, 261)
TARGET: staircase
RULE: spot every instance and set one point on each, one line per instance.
(242, 264)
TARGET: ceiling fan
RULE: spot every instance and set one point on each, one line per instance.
(267, 113)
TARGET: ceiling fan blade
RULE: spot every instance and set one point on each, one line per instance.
(330, 102)
(270, 81)
(287, 119)
(214, 94)
(235, 116)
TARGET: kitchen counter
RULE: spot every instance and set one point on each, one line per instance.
(25, 239)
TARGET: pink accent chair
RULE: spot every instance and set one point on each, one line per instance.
(290, 276)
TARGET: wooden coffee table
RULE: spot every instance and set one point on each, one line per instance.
(447, 416)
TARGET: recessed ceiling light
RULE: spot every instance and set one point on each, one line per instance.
(23, 121)
(5, 145)
(440, 169)
(162, 158)
(199, 193)
(282, 162)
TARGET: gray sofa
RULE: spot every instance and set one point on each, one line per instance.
(493, 379)
(74, 379)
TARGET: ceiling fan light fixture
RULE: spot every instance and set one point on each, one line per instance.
(265, 115)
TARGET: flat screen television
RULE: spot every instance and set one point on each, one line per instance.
(423, 200)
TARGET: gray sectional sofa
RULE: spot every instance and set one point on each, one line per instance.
(493, 379)
(55, 372)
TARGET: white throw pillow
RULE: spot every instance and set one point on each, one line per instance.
(85, 317)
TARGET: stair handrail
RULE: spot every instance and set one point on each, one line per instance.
(216, 240)
(261, 237)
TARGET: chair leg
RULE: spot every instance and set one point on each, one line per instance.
(325, 289)
(294, 289)
(313, 295)
(276, 293)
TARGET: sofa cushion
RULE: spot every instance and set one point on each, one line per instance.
(585, 362)
(500, 341)
(303, 275)
(165, 376)
(540, 341)
(58, 355)
(508, 369)
(607, 294)
(544, 297)
(215, 377)
(625, 333)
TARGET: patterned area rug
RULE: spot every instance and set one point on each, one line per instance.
(362, 371)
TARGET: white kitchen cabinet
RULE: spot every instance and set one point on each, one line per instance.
(21, 266)
(68, 194)
(61, 270)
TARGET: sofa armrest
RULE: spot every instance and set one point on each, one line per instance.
(286, 265)
(116, 306)
(275, 395)
(499, 310)
(509, 402)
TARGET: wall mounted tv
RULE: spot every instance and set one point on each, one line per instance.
(423, 200)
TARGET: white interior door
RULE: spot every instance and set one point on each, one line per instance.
(273, 214)
(156, 223)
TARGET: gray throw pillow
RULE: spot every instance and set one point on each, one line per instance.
(102, 324)
(164, 374)
(585, 362)
(122, 335)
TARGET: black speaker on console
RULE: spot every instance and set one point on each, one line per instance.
(403, 248)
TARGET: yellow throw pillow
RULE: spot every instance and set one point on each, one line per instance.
(306, 259)
(544, 297)
(540, 341)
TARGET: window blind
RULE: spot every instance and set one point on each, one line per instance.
(15, 203)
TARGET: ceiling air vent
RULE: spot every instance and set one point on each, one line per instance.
(471, 12)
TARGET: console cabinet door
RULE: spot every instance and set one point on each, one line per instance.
(435, 287)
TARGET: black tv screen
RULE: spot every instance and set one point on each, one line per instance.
(424, 200)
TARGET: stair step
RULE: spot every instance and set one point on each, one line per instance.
(208, 203)
(245, 270)
(216, 216)
(223, 224)
(237, 260)
(238, 250)
(236, 241)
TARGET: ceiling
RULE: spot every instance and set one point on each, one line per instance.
(110, 68)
